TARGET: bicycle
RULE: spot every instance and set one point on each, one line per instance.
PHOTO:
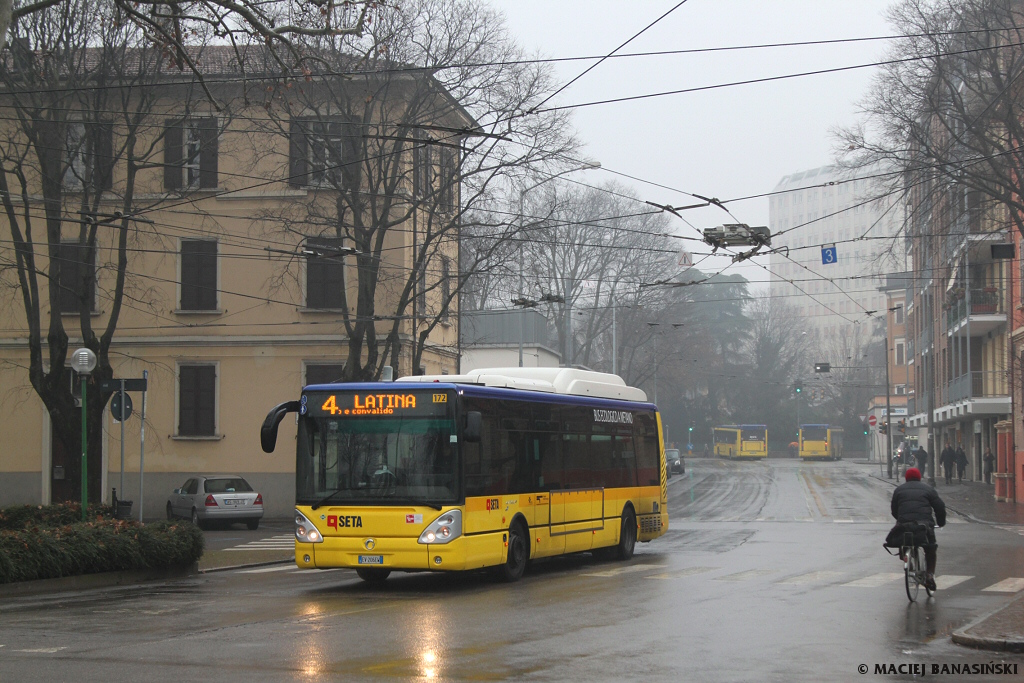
(915, 574)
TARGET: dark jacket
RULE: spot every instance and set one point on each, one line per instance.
(961, 458)
(914, 501)
(922, 459)
(947, 457)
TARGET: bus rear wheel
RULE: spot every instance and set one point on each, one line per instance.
(627, 535)
(373, 574)
(518, 553)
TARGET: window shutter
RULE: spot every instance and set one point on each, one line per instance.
(298, 153)
(67, 280)
(187, 400)
(206, 404)
(208, 135)
(103, 156)
(172, 154)
(198, 275)
(197, 385)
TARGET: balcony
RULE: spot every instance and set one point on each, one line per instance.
(977, 384)
(987, 311)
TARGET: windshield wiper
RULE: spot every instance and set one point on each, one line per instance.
(327, 498)
(414, 501)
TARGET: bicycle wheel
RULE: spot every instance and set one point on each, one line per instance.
(911, 566)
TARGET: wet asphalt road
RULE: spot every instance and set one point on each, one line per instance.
(770, 571)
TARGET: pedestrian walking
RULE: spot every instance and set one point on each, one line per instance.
(990, 464)
(961, 463)
(922, 459)
(947, 458)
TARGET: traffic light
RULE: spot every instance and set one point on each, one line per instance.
(691, 430)
(798, 387)
(865, 431)
(883, 427)
(902, 426)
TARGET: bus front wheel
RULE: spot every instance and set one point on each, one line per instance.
(627, 535)
(518, 553)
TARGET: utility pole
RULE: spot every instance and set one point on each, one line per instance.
(888, 411)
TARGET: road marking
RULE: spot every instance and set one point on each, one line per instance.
(949, 580)
(811, 577)
(266, 570)
(313, 570)
(41, 650)
(842, 521)
(875, 580)
(880, 520)
(1014, 529)
(282, 542)
(626, 570)
(1011, 585)
(744, 576)
(689, 571)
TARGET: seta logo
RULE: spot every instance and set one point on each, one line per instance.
(336, 522)
(492, 503)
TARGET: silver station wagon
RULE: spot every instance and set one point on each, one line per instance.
(216, 498)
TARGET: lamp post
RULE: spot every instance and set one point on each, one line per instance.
(888, 411)
(586, 166)
(654, 333)
(83, 361)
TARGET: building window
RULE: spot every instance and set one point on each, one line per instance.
(324, 373)
(898, 314)
(190, 153)
(197, 400)
(900, 350)
(325, 273)
(448, 176)
(89, 155)
(198, 275)
(901, 389)
(323, 152)
(77, 279)
(446, 288)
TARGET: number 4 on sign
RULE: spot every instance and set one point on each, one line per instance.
(828, 254)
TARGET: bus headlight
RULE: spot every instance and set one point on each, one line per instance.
(305, 531)
(445, 528)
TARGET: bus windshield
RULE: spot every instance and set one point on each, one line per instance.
(754, 433)
(815, 433)
(392, 460)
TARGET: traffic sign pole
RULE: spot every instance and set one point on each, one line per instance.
(142, 439)
(123, 411)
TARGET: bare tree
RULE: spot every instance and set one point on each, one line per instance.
(945, 113)
(79, 89)
(404, 159)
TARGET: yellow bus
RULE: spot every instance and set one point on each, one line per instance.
(741, 441)
(821, 442)
(488, 469)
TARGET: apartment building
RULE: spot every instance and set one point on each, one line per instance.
(253, 225)
(822, 207)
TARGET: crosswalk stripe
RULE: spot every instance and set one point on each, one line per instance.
(842, 521)
(689, 571)
(949, 580)
(626, 570)
(811, 577)
(1010, 585)
(266, 570)
(875, 580)
(263, 547)
(745, 576)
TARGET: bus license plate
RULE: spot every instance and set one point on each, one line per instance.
(371, 559)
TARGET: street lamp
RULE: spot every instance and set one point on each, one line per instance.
(83, 361)
(585, 166)
(654, 333)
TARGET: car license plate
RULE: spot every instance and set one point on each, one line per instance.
(233, 501)
(371, 559)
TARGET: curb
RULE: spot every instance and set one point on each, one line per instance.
(100, 580)
(961, 637)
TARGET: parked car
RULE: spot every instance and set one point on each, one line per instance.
(674, 461)
(216, 498)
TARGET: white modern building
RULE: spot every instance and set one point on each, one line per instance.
(827, 206)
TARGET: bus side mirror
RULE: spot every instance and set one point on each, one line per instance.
(268, 432)
(473, 422)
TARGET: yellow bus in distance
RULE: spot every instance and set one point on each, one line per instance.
(489, 469)
(821, 442)
(741, 441)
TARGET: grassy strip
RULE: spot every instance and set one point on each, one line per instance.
(50, 542)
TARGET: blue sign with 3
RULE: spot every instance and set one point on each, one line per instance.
(828, 254)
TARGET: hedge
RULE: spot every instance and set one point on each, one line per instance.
(51, 541)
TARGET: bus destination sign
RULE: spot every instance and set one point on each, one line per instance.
(365, 404)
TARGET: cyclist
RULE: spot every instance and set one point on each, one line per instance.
(913, 503)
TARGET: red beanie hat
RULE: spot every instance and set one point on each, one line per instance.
(913, 474)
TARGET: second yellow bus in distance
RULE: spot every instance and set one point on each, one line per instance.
(741, 441)
(488, 469)
(821, 442)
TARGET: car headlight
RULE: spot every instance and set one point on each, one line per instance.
(305, 530)
(444, 529)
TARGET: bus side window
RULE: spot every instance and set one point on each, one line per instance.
(645, 432)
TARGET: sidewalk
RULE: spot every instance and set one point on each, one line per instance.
(1002, 629)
